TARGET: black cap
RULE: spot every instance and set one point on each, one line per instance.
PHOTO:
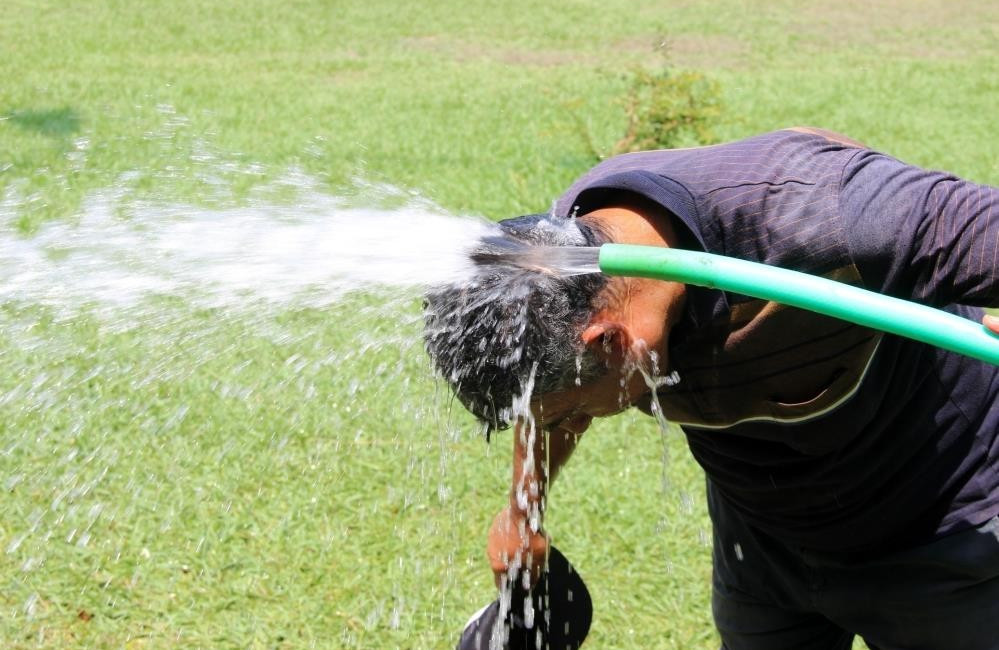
(554, 615)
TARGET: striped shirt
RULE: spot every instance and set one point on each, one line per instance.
(827, 434)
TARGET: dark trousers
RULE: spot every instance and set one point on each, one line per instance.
(768, 595)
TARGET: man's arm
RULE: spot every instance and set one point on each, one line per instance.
(921, 234)
(517, 540)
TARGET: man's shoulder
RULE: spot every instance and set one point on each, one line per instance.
(762, 147)
(774, 157)
(829, 136)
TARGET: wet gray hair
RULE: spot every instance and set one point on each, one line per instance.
(512, 328)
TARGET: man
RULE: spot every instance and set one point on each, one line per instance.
(853, 476)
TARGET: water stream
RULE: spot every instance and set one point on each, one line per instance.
(310, 253)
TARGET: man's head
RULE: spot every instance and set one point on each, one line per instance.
(570, 344)
(514, 331)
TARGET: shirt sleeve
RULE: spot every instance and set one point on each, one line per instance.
(919, 234)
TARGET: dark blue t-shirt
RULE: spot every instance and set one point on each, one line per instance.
(827, 434)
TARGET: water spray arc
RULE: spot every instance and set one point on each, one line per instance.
(797, 289)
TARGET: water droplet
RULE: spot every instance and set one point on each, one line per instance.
(16, 543)
(31, 605)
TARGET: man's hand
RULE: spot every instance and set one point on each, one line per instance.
(991, 323)
(514, 548)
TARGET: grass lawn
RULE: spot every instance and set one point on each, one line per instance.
(190, 477)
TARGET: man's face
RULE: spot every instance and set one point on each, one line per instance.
(630, 337)
(629, 330)
(617, 390)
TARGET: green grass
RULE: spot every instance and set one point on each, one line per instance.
(204, 480)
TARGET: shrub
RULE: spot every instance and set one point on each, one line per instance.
(665, 110)
(668, 110)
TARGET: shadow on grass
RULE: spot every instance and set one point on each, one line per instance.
(54, 122)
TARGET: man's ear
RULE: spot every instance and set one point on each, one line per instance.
(608, 341)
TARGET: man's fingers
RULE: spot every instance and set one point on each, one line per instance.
(514, 547)
(991, 323)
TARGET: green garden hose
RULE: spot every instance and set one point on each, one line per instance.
(820, 295)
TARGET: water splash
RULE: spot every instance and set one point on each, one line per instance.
(160, 355)
(157, 429)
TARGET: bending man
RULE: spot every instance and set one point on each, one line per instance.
(853, 476)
